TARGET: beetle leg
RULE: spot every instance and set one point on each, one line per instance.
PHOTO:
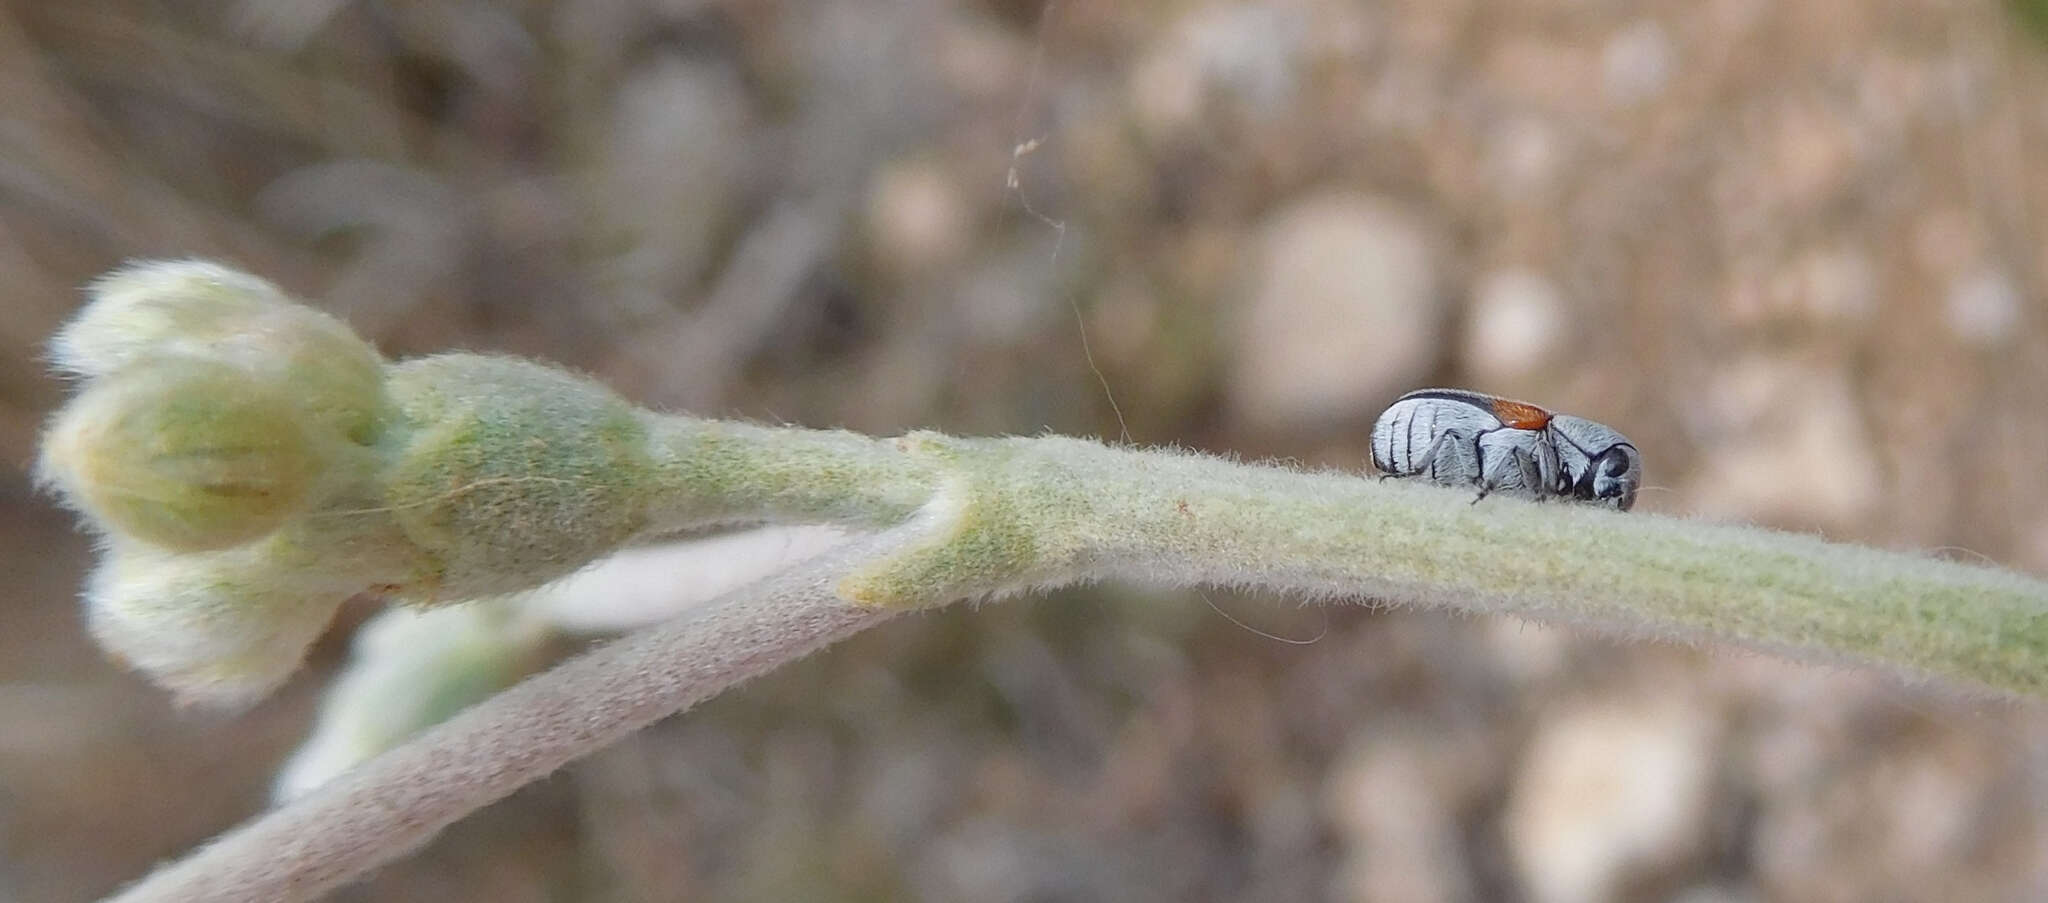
(1532, 473)
(1485, 480)
(1421, 465)
(1493, 473)
(1517, 461)
(1550, 469)
(1482, 481)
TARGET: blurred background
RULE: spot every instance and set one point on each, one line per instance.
(1794, 250)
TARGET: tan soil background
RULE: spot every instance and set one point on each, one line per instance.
(1793, 249)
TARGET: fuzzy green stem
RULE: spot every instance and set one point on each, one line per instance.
(1039, 512)
(711, 472)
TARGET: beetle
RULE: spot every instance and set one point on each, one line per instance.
(1454, 437)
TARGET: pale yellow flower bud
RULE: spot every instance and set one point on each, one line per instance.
(156, 310)
(217, 629)
(188, 454)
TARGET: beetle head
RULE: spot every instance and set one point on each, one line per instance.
(1601, 464)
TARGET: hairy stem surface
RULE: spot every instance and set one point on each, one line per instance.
(397, 801)
(1038, 512)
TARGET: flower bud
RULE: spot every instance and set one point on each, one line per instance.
(189, 455)
(216, 629)
(156, 310)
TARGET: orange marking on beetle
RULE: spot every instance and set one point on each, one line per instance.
(1520, 415)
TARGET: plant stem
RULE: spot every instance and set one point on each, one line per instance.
(1076, 510)
(715, 472)
(397, 801)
